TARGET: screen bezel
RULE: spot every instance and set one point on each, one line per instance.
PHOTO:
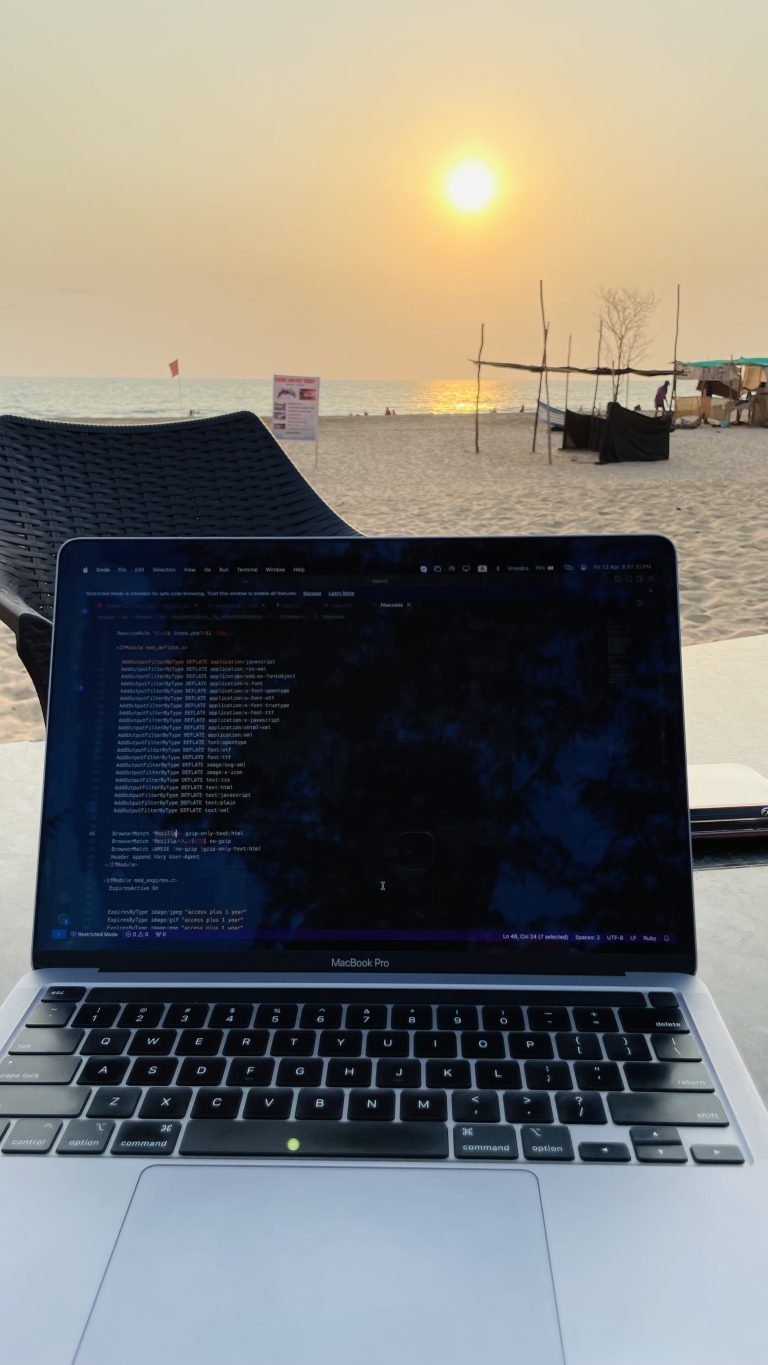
(288, 961)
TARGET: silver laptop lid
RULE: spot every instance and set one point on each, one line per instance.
(437, 755)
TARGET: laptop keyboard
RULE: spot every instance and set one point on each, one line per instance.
(604, 1076)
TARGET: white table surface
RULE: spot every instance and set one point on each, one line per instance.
(726, 722)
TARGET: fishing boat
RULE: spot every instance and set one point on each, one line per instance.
(554, 416)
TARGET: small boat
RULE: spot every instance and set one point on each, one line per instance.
(555, 416)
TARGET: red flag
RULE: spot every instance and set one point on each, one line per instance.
(174, 368)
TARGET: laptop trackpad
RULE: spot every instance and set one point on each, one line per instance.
(274, 1266)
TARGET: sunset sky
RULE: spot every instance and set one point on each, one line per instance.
(253, 186)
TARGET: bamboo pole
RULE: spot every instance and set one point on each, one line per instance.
(568, 373)
(597, 365)
(538, 396)
(545, 330)
(674, 361)
(477, 395)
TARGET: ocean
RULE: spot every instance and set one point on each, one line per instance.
(152, 399)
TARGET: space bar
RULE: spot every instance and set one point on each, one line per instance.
(270, 1137)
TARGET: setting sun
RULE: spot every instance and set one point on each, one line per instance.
(470, 186)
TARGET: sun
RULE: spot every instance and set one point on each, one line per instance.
(470, 186)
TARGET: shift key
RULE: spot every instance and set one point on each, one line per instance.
(684, 1111)
(42, 1101)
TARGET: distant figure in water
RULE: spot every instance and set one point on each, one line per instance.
(660, 401)
(637, 408)
(387, 413)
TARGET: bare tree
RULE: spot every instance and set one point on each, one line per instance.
(626, 315)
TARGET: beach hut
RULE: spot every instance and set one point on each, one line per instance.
(726, 388)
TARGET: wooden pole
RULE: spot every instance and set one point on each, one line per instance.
(674, 362)
(568, 373)
(477, 395)
(545, 330)
(597, 366)
(538, 397)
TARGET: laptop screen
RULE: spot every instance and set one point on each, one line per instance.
(372, 755)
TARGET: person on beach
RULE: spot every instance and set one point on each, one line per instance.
(660, 401)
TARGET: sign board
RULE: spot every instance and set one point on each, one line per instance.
(295, 404)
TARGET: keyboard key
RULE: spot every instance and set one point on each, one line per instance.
(540, 1017)
(663, 998)
(231, 1016)
(103, 1071)
(32, 1137)
(246, 1043)
(434, 1045)
(546, 1144)
(38, 1070)
(548, 1076)
(501, 1017)
(475, 1106)
(151, 1071)
(146, 1139)
(186, 1016)
(200, 1043)
(319, 1104)
(653, 1021)
(387, 1044)
(412, 1016)
(604, 1151)
(295, 1071)
(523, 1107)
(457, 1017)
(370, 1105)
(482, 1045)
(668, 1076)
(667, 1156)
(42, 1101)
(530, 1045)
(498, 1075)
(340, 1043)
(395, 1075)
(210, 1070)
(687, 1111)
(94, 1016)
(277, 1016)
(268, 1104)
(449, 1075)
(213, 1104)
(678, 1047)
(167, 1104)
(418, 1106)
(594, 1020)
(654, 1135)
(320, 1016)
(152, 1042)
(109, 1103)
(53, 1015)
(293, 1043)
(579, 1047)
(66, 993)
(358, 1072)
(370, 1016)
(105, 1043)
(481, 1142)
(404, 1141)
(141, 1016)
(597, 1076)
(628, 1047)
(243, 1071)
(51, 1041)
(578, 1108)
(85, 1137)
(717, 1156)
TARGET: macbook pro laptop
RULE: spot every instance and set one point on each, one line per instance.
(364, 1022)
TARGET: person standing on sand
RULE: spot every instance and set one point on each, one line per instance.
(660, 401)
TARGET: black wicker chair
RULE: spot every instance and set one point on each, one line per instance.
(219, 476)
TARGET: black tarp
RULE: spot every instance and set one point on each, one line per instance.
(620, 436)
(633, 436)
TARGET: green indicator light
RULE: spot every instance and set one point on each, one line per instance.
(293, 1144)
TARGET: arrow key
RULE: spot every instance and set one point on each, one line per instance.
(654, 1136)
(603, 1151)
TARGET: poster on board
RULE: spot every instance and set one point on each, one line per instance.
(295, 406)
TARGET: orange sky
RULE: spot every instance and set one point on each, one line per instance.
(252, 186)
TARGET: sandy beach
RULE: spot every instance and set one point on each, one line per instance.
(420, 475)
